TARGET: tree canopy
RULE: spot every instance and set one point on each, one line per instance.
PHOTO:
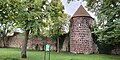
(34, 17)
(106, 27)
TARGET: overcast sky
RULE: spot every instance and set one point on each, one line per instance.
(71, 7)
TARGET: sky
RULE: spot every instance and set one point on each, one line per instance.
(71, 7)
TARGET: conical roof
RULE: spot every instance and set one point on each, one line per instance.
(81, 12)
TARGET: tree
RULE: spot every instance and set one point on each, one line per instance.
(28, 18)
(59, 29)
(25, 13)
(6, 20)
(31, 15)
(107, 25)
(54, 21)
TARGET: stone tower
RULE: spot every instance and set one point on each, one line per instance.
(80, 34)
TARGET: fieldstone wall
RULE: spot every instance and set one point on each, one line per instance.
(80, 35)
(36, 41)
(65, 45)
(16, 42)
(4, 43)
(116, 51)
(0, 42)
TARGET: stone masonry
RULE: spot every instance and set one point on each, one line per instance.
(80, 34)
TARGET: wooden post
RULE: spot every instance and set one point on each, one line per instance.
(45, 52)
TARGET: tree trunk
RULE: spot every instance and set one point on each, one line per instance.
(58, 50)
(24, 47)
(3, 43)
(3, 40)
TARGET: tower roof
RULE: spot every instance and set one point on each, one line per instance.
(81, 12)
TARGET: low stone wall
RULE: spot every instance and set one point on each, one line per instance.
(4, 43)
(65, 45)
(116, 51)
(41, 43)
(16, 42)
(95, 48)
(0, 42)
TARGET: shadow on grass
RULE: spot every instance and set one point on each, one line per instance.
(8, 58)
(74, 59)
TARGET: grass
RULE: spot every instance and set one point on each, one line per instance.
(14, 54)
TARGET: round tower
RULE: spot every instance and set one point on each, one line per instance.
(80, 34)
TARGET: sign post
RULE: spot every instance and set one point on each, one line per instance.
(46, 49)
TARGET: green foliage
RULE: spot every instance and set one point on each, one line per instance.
(54, 20)
(41, 17)
(106, 28)
(7, 14)
(29, 15)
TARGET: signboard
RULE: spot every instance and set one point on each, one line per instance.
(47, 47)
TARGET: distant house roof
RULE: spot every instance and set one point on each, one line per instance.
(81, 12)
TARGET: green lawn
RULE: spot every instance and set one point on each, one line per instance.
(14, 54)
